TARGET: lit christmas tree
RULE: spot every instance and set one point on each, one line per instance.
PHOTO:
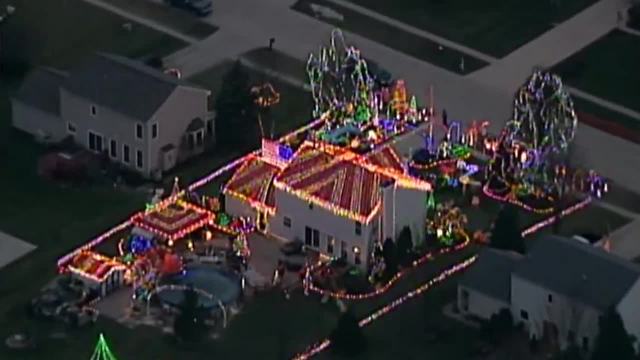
(400, 98)
(412, 114)
(102, 351)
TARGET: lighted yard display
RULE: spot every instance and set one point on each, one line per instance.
(447, 224)
(356, 112)
(528, 167)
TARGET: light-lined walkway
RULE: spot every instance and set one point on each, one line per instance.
(413, 30)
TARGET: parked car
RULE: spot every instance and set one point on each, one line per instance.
(198, 7)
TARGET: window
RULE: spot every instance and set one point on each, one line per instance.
(316, 238)
(358, 228)
(126, 157)
(330, 244)
(307, 235)
(585, 343)
(154, 131)
(199, 138)
(287, 222)
(138, 131)
(94, 110)
(71, 128)
(343, 249)
(356, 255)
(95, 142)
(524, 315)
(113, 149)
(139, 163)
(550, 298)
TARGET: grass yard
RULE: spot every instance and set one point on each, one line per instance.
(176, 19)
(293, 111)
(73, 29)
(606, 120)
(269, 327)
(55, 33)
(591, 220)
(410, 44)
(278, 62)
(495, 27)
(608, 68)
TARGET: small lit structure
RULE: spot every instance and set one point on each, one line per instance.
(97, 272)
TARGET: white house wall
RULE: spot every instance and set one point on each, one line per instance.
(37, 122)
(404, 207)
(325, 221)
(107, 123)
(173, 118)
(629, 310)
(479, 304)
(568, 316)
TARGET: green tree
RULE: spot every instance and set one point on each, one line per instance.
(102, 351)
(405, 245)
(506, 234)
(390, 256)
(234, 107)
(613, 341)
(347, 338)
(189, 325)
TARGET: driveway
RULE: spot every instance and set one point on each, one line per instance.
(12, 248)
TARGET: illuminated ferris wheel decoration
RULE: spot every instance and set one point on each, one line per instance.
(544, 120)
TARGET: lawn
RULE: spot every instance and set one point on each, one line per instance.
(293, 111)
(606, 120)
(410, 44)
(56, 218)
(608, 68)
(592, 220)
(73, 29)
(176, 19)
(495, 27)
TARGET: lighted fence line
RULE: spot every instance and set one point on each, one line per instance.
(416, 263)
(322, 345)
(430, 255)
(64, 260)
(508, 199)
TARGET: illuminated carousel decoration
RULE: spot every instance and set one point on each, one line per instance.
(448, 224)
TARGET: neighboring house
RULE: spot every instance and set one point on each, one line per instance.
(558, 290)
(338, 207)
(137, 116)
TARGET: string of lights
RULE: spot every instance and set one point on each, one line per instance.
(324, 344)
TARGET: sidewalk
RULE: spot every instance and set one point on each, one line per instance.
(553, 46)
(413, 30)
(12, 248)
(604, 103)
(144, 21)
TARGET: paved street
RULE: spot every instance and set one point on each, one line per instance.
(247, 24)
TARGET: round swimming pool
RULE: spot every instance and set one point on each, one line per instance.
(212, 283)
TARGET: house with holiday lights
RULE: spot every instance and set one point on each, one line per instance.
(337, 202)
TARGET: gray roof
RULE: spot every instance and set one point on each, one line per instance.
(41, 89)
(491, 273)
(123, 85)
(579, 271)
